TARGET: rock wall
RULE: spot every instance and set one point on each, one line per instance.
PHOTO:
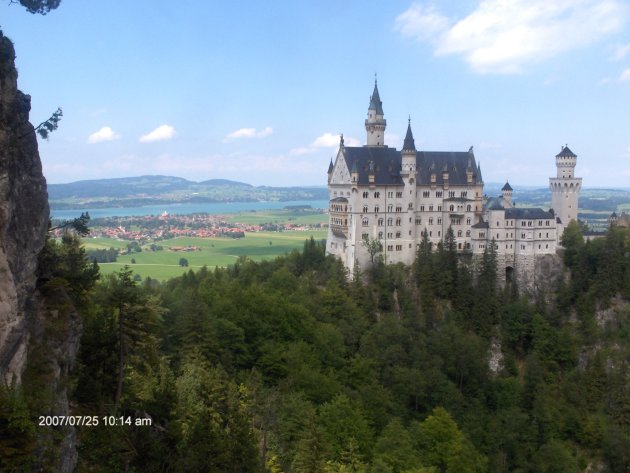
(39, 329)
(23, 217)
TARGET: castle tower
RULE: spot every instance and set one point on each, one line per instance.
(565, 188)
(506, 194)
(408, 154)
(375, 122)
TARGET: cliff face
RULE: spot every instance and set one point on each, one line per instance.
(23, 217)
(39, 329)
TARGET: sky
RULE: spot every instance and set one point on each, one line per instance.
(259, 91)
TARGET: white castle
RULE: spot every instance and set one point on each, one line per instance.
(379, 193)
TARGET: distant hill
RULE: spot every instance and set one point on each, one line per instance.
(152, 190)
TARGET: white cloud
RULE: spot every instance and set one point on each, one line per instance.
(329, 140)
(625, 75)
(621, 52)
(420, 22)
(161, 133)
(104, 134)
(301, 151)
(503, 36)
(250, 133)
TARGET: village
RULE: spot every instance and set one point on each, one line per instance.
(152, 228)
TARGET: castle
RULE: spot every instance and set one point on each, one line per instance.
(379, 193)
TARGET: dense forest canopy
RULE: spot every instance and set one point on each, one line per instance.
(288, 366)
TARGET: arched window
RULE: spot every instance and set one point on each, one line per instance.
(451, 207)
(365, 209)
(365, 222)
(380, 222)
(459, 233)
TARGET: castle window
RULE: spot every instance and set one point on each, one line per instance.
(468, 208)
(366, 195)
(365, 236)
(468, 246)
(398, 194)
(365, 209)
(467, 233)
(422, 208)
(390, 235)
(464, 194)
(482, 234)
(547, 235)
(439, 208)
(438, 194)
(468, 221)
(398, 247)
(430, 208)
(426, 194)
(497, 223)
(459, 246)
(377, 195)
(522, 247)
(410, 205)
(390, 194)
(365, 222)
(439, 220)
(390, 221)
(459, 233)
(377, 208)
(418, 220)
(430, 234)
(398, 222)
(439, 233)
(398, 208)
(397, 234)
(451, 193)
(390, 207)
(451, 207)
(529, 223)
(390, 247)
(540, 235)
(522, 236)
(409, 235)
(547, 222)
(540, 223)
(380, 235)
(380, 222)
(431, 221)
(539, 246)
(547, 246)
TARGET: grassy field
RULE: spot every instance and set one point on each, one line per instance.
(212, 252)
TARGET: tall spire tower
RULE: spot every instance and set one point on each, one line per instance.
(565, 187)
(375, 122)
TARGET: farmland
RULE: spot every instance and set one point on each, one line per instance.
(210, 252)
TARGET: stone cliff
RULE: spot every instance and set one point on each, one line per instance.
(23, 217)
(39, 328)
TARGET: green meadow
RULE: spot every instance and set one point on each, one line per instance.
(211, 252)
(258, 217)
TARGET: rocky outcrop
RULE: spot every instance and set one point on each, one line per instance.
(39, 329)
(23, 217)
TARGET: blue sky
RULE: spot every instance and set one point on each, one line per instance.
(259, 91)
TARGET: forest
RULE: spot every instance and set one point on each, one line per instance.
(290, 366)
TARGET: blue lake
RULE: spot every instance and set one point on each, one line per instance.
(217, 208)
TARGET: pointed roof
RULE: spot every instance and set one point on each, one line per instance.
(330, 166)
(375, 101)
(566, 153)
(409, 144)
(479, 178)
(507, 187)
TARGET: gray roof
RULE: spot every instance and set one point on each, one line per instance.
(522, 213)
(330, 166)
(507, 187)
(481, 224)
(386, 165)
(494, 203)
(566, 153)
(409, 144)
(375, 101)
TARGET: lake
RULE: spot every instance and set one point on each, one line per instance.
(215, 208)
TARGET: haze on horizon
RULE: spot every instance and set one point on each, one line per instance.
(244, 92)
